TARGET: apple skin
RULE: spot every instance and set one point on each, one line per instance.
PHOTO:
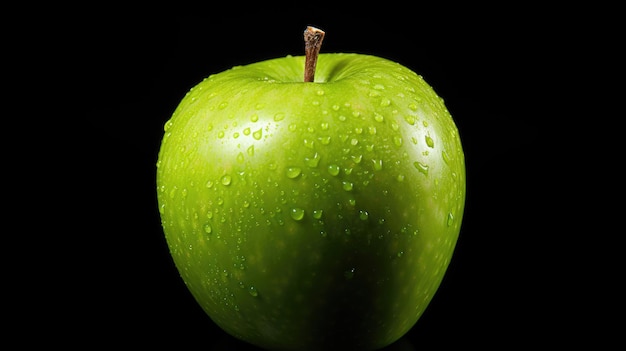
(312, 215)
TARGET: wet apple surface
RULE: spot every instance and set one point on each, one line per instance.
(307, 214)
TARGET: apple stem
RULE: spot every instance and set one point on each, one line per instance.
(312, 42)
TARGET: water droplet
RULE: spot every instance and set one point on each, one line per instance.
(258, 134)
(363, 215)
(333, 169)
(445, 157)
(349, 274)
(254, 117)
(312, 161)
(253, 292)
(422, 168)
(297, 213)
(226, 179)
(279, 116)
(378, 164)
(173, 192)
(379, 87)
(309, 143)
(293, 172)
(325, 140)
(450, 219)
(317, 214)
(357, 158)
(384, 102)
(347, 186)
(400, 177)
(378, 117)
(397, 140)
(236, 135)
(259, 106)
(222, 105)
(320, 92)
(220, 134)
(250, 150)
(409, 119)
(413, 106)
(429, 141)
(240, 157)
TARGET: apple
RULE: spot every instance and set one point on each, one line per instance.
(312, 213)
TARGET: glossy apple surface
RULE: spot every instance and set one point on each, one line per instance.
(312, 215)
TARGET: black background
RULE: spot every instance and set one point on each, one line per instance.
(520, 275)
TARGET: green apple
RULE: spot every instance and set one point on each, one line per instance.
(312, 214)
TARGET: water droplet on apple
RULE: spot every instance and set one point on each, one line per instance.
(410, 119)
(384, 102)
(357, 158)
(450, 219)
(400, 177)
(397, 140)
(378, 117)
(309, 143)
(222, 105)
(173, 192)
(297, 213)
(363, 215)
(325, 140)
(429, 141)
(226, 179)
(320, 92)
(250, 150)
(378, 164)
(317, 214)
(253, 292)
(349, 274)
(220, 134)
(293, 172)
(422, 168)
(333, 169)
(279, 116)
(312, 162)
(240, 157)
(347, 186)
(445, 157)
(258, 134)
